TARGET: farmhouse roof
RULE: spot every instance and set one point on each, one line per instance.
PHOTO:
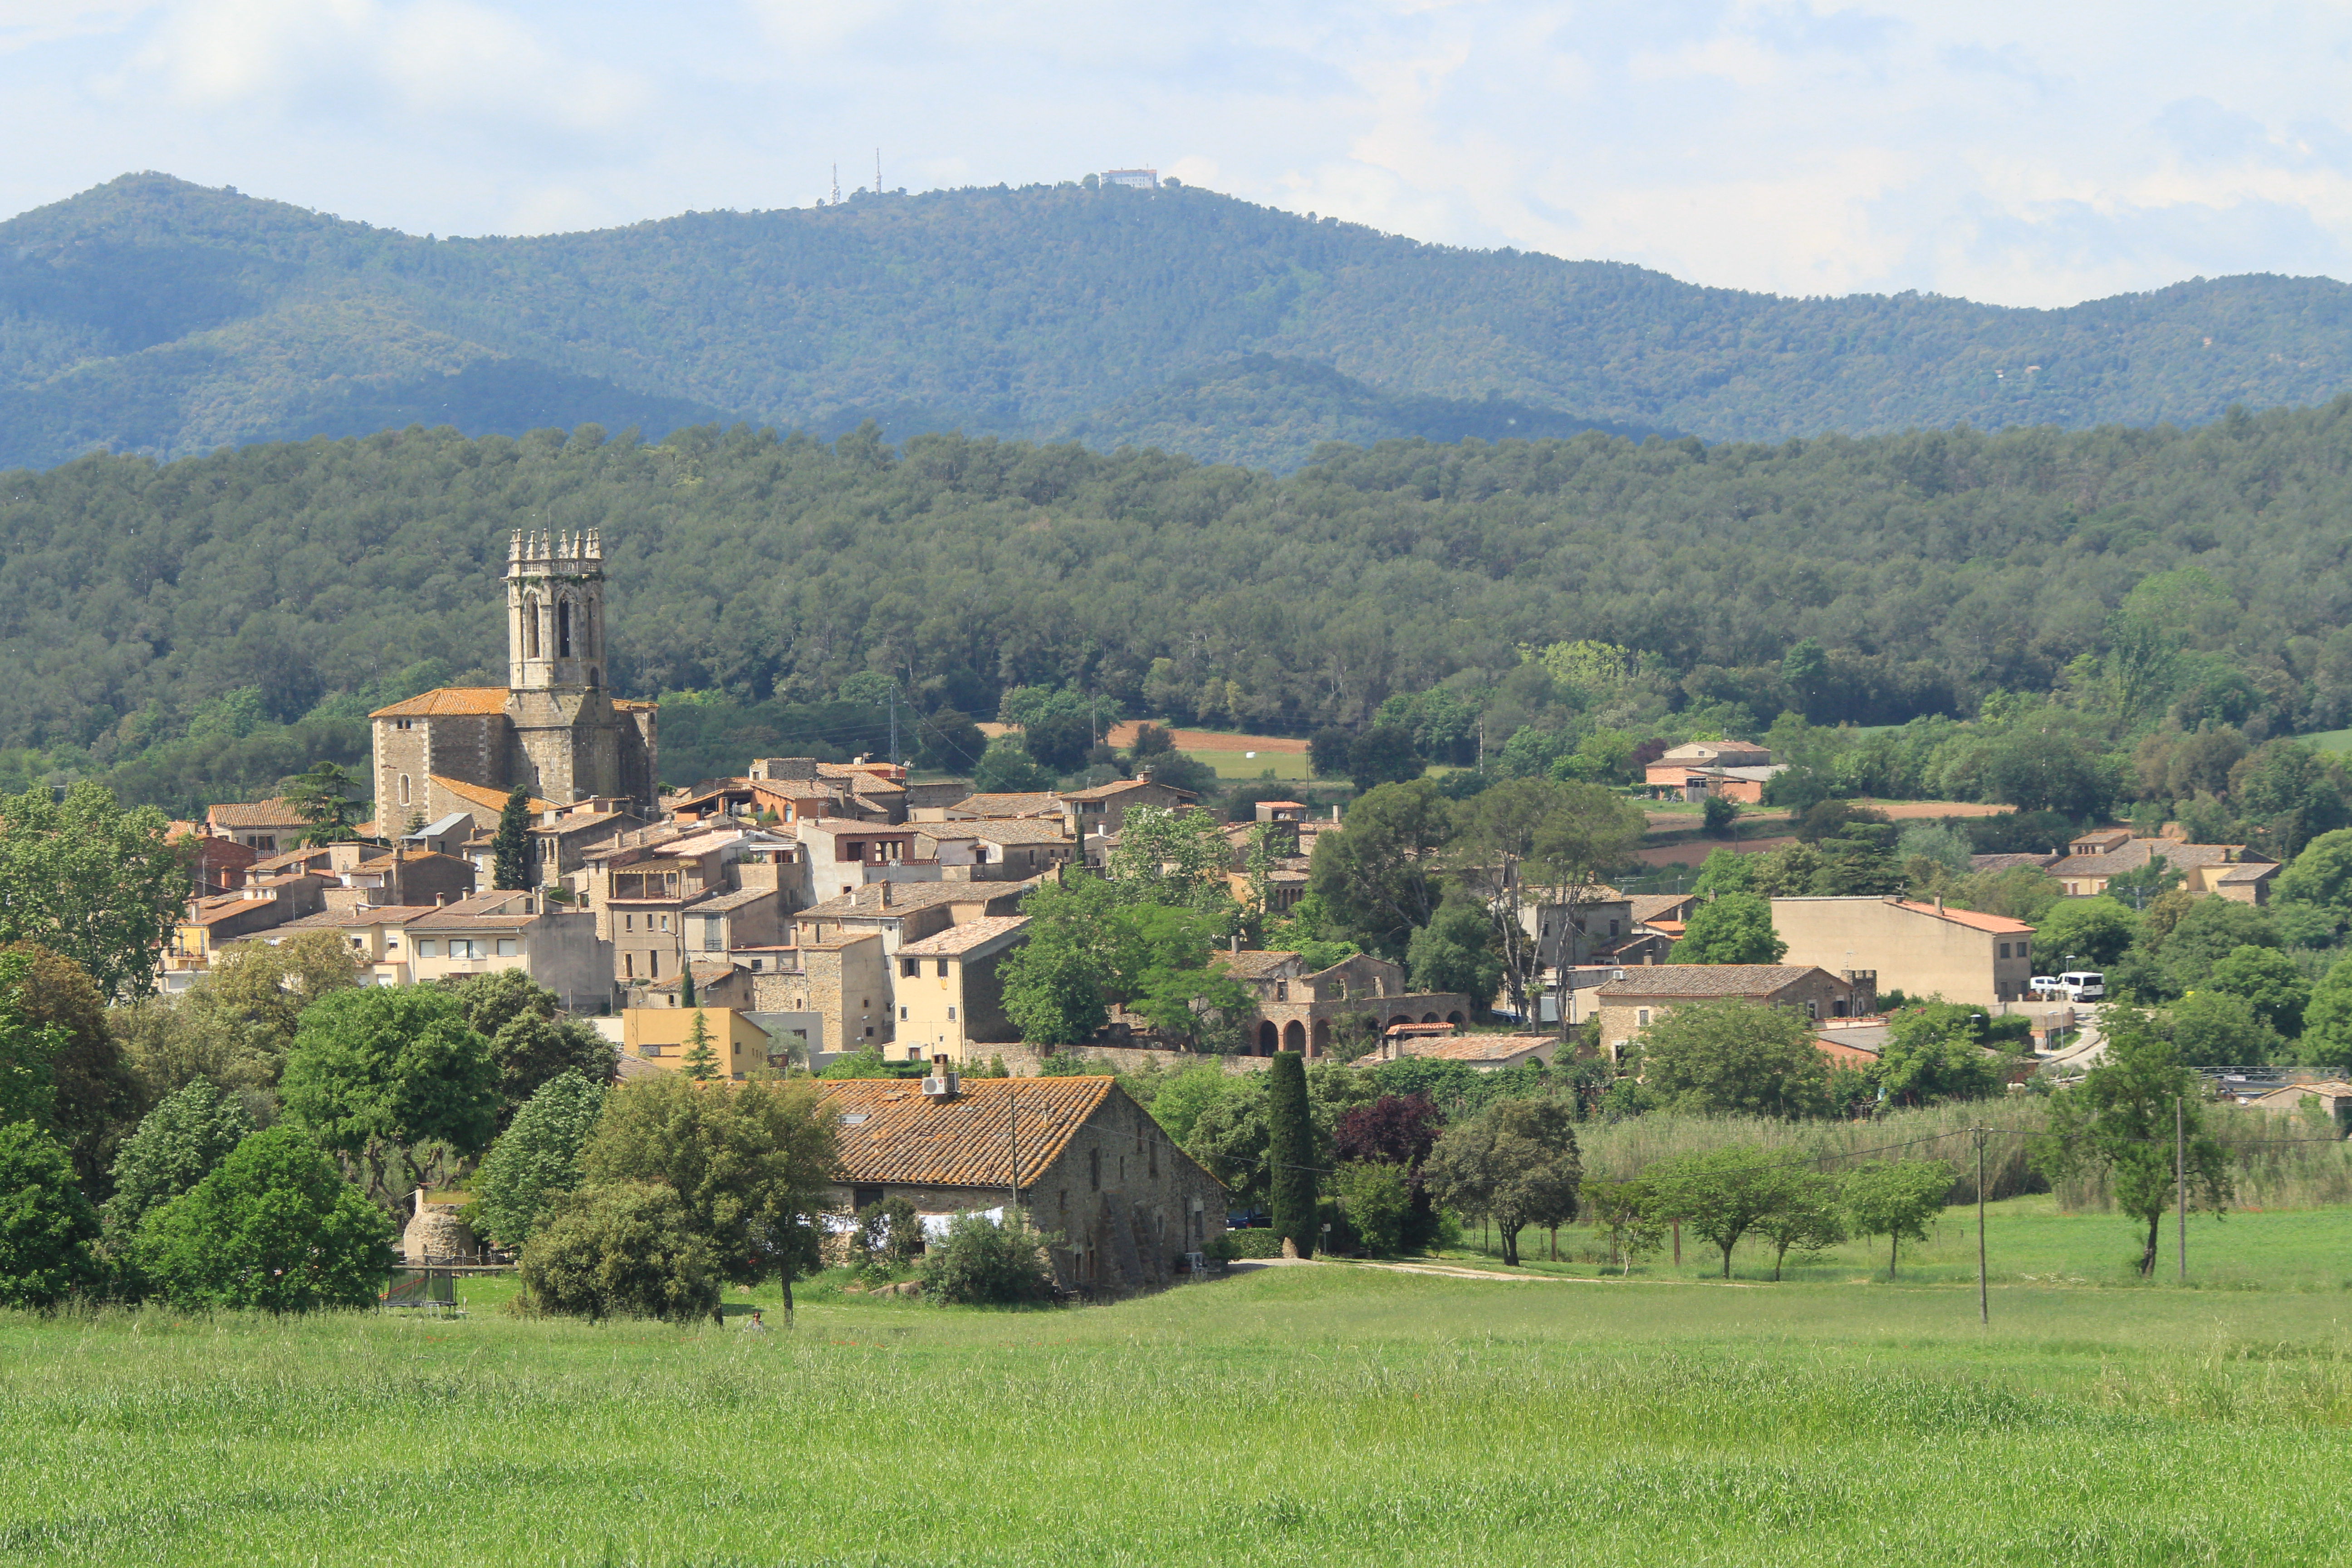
(1702, 980)
(892, 1132)
(488, 799)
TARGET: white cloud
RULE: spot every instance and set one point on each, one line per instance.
(2016, 151)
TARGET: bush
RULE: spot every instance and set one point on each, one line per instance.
(181, 1143)
(1254, 1243)
(890, 1235)
(45, 1225)
(1718, 815)
(1375, 1198)
(276, 1226)
(983, 1263)
(625, 1250)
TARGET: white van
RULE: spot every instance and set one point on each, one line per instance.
(2082, 986)
(2043, 986)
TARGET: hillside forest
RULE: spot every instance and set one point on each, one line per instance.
(2150, 607)
(155, 316)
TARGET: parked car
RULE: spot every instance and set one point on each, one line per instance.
(2082, 986)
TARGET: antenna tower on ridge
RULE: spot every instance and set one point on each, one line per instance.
(878, 171)
(836, 184)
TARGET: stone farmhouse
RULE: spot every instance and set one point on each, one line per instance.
(2223, 870)
(1078, 1155)
(1633, 1003)
(1298, 1009)
(1920, 950)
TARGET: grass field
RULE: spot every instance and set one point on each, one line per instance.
(1304, 1414)
(2329, 740)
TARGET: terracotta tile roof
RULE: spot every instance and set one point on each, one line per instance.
(1104, 792)
(1697, 980)
(488, 799)
(1649, 908)
(2254, 871)
(1252, 965)
(1477, 1047)
(891, 1132)
(999, 830)
(271, 813)
(853, 825)
(449, 701)
(354, 920)
(2136, 853)
(957, 940)
(866, 901)
(723, 904)
(2000, 925)
(1034, 804)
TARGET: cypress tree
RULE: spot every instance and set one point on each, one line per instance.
(1290, 1151)
(510, 846)
(701, 1061)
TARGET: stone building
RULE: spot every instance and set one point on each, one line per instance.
(843, 983)
(1631, 1004)
(1093, 1168)
(554, 728)
(949, 991)
(1299, 1010)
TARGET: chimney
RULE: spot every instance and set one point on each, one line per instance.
(886, 894)
(1939, 903)
(1237, 941)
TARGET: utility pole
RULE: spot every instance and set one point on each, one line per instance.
(1984, 1301)
(836, 184)
(2180, 1176)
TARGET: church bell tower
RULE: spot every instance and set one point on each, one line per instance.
(555, 612)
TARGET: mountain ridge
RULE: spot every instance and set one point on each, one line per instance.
(151, 315)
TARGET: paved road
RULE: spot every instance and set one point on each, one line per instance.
(2089, 1050)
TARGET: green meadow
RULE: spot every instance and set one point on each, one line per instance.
(1288, 1415)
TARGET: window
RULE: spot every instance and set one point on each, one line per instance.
(653, 964)
(664, 922)
(910, 968)
(902, 1013)
(508, 947)
(951, 1015)
(1642, 1017)
(530, 629)
(628, 966)
(943, 969)
(2004, 949)
(427, 948)
(403, 783)
(714, 934)
(563, 629)
(628, 922)
(1094, 1168)
(1813, 1010)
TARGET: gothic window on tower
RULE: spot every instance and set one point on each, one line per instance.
(530, 629)
(563, 629)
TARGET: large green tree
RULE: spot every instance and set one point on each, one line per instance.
(1378, 878)
(328, 799)
(274, 1226)
(2121, 1122)
(1736, 1058)
(46, 1225)
(1897, 1199)
(752, 1162)
(1532, 851)
(91, 880)
(511, 855)
(1721, 1194)
(1514, 1163)
(536, 1160)
(1731, 928)
(178, 1144)
(625, 1250)
(1290, 1151)
(380, 1071)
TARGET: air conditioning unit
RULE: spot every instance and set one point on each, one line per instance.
(941, 1086)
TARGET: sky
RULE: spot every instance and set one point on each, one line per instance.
(2027, 155)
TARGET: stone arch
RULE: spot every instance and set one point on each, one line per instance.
(1294, 1037)
(1535, 1061)
(1321, 1036)
(1268, 1038)
(1428, 1017)
(1400, 1018)
(1455, 1019)
(594, 680)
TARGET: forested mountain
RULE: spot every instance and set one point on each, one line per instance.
(171, 619)
(154, 316)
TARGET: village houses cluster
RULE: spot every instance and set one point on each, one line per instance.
(818, 909)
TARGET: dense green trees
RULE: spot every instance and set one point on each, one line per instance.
(177, 1145)
(378, 1072)
(275, 1227)
(536, 1160)
(1734, 1058)
(91, 880)
(621, 1249)
(46, 1225)
(1514, 1163)
(1305, 602)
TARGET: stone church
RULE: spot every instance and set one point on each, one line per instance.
(552, 729)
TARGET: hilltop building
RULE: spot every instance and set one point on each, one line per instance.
(554, 728)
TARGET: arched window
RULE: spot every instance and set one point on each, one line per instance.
(530, 629)
(563, 629)
(403, 789)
